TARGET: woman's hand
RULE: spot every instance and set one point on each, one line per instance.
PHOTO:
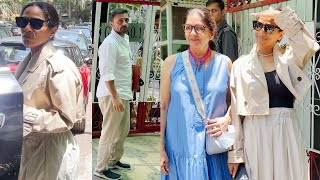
(216, 126)
(164, 162)
(233, 168)
(269, 13)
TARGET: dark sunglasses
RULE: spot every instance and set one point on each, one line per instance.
(35, 23)
(268, 28)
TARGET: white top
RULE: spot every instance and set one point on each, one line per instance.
(115, 64)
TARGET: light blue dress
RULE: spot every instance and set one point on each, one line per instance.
(185, 131)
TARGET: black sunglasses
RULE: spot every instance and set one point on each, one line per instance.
(35, 23)
(268, 28)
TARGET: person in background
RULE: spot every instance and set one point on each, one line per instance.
(114, 92)
(52, 89)
(264, 85)
(183, 132)
(226, 38)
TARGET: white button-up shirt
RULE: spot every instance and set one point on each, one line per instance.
(115, 64)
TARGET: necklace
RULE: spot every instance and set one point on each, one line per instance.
(199, 61)
(264, 55)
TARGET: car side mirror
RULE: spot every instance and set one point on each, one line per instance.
(88, 60)
(90, 47)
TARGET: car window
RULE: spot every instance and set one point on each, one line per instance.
(86, 32)
(3, 32)
(3, 63)
(64, 51)
(13, 53)
(78, 57)
(74, 57)
(73, 53)
(69, 52)
(79, 39)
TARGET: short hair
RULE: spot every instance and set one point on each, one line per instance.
(220, 2)
(116, 12)
(49, 12)
(208, 20)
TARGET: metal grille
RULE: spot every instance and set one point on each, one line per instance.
(146, 2)
(189, 2)
(238, 5)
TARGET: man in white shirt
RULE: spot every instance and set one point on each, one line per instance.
(114, 92)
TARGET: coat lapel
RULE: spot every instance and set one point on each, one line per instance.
(256, 68)
(282, 68)
(31, 63)
(44, 53)
(22, 66)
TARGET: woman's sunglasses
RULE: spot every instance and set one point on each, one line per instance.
(35, 23)
(268, 28)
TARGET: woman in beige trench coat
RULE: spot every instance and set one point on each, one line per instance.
(264, 85)
(52, 90)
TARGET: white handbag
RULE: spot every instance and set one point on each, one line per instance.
(214, 145)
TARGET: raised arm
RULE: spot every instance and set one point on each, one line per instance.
(302, 43)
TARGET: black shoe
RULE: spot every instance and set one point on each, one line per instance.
(108, 174)
(120, 165)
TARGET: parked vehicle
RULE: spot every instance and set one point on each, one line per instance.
(16, 31)
(4, 32)
(80, 40)
(84, 26)
(11, 124)
(85, 31)
(14, 51)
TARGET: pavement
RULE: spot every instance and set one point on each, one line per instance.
(141, 152)
(85, 142)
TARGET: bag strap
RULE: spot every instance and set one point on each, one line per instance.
(193, 83)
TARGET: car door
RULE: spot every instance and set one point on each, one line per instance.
(11, 125)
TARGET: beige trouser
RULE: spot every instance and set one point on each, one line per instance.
(274, 146)
(115, 129)
(49, 156)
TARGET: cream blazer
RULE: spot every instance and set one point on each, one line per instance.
(249, 91)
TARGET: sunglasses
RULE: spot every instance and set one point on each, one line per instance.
(35, 23)
(197, 28)
(268, 28)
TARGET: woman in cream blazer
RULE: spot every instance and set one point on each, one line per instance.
(52, 90)
(264, 85)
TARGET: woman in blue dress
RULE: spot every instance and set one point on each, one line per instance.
(182, 154)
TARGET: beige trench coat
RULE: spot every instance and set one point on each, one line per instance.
(249, 91)
(52, 90)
